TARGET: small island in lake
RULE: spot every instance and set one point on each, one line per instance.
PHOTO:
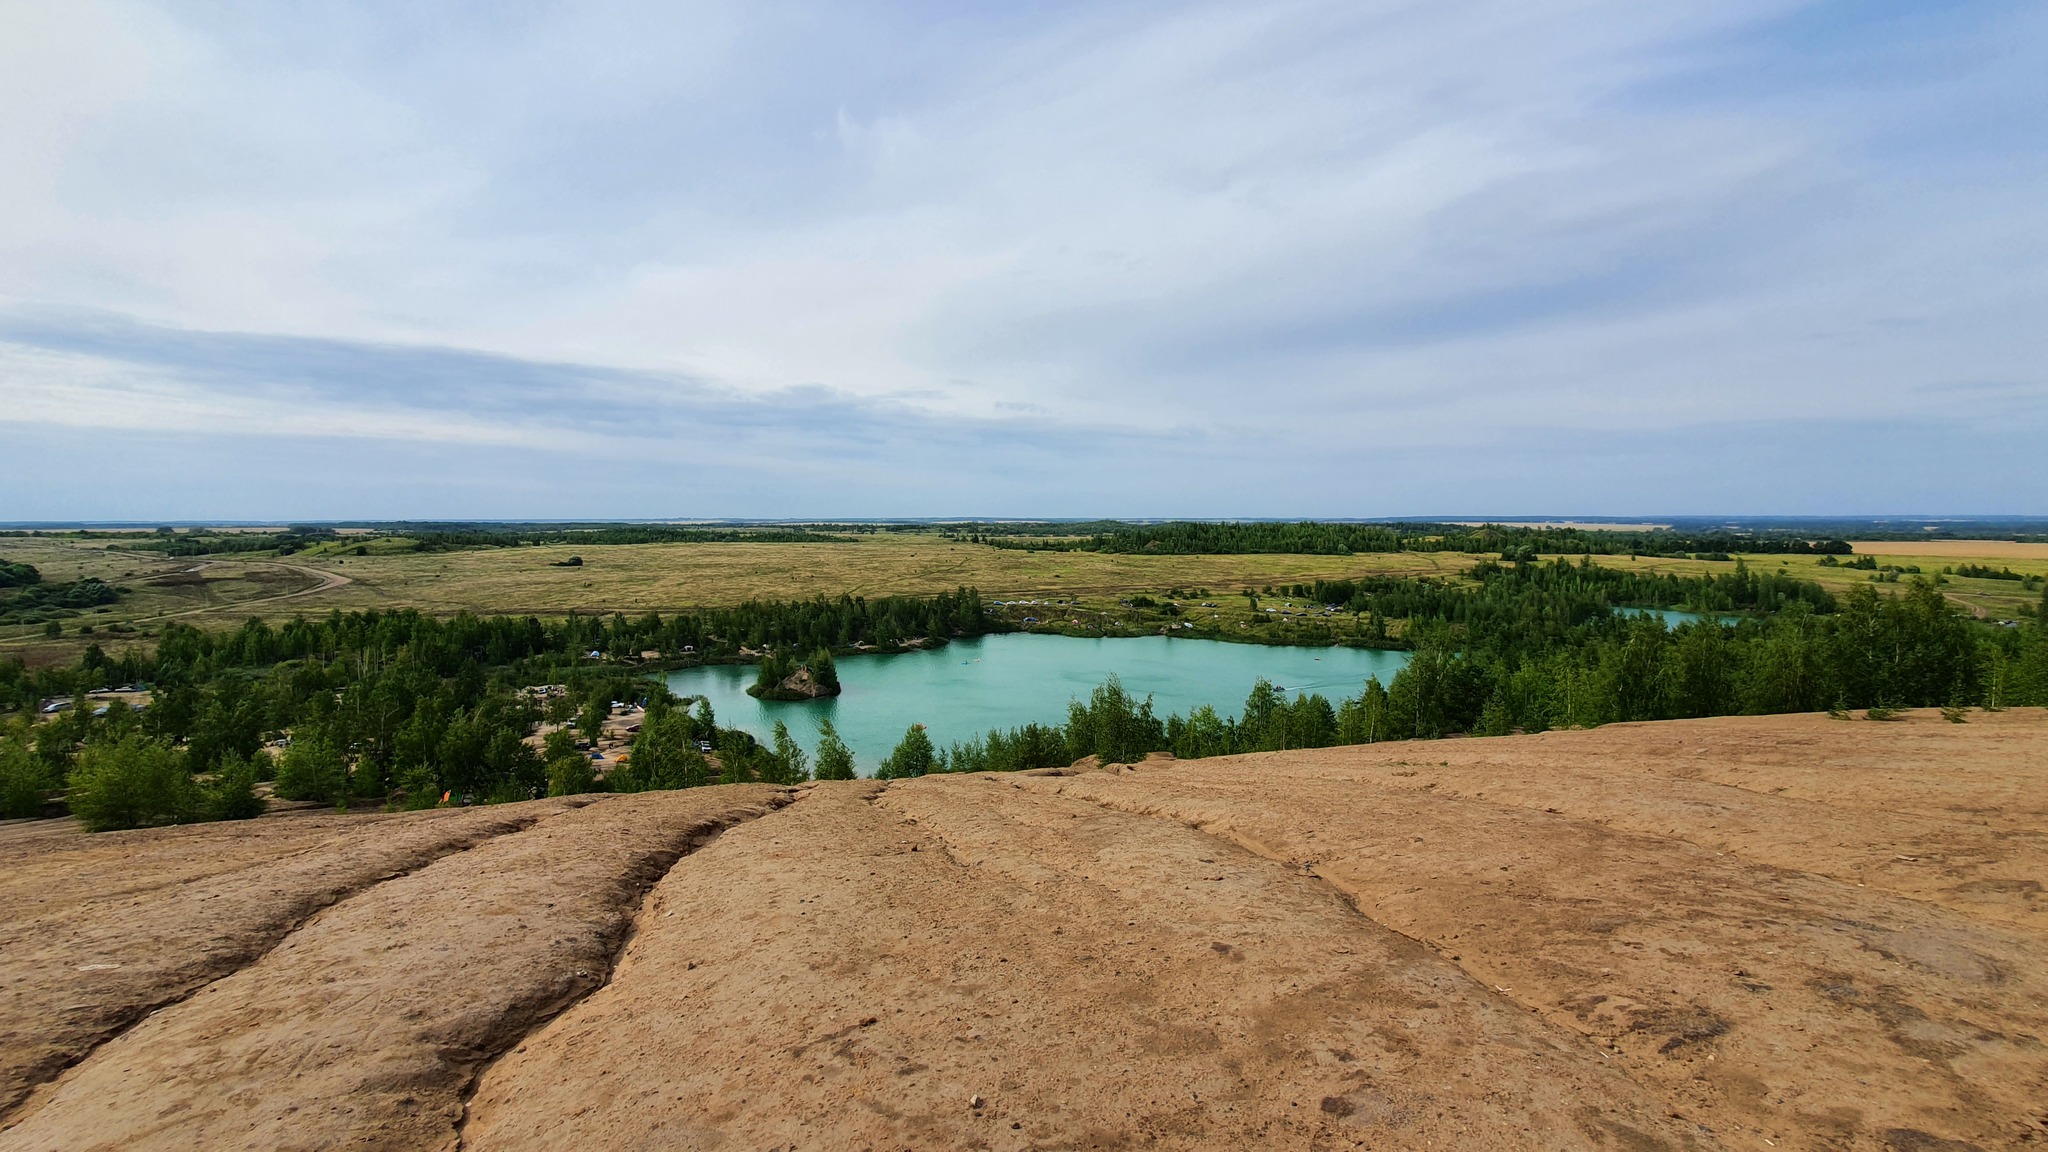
(782, 678)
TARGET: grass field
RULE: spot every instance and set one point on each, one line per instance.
(672, 577)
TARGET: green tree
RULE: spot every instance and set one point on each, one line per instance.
(824, 671)
(664, 756)
(313, 769)
(590, 721)
(135, 783)
(1363, 719)
(23, 780)
(775, 668)
(1203, 733)
(1113, 726)
(571, 774)
(739, 758)
(791, 764)
(1262, 727)
(559, 743)
(835, 759)
(913, 756)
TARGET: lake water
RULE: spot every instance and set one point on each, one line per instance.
(1673, 617)
(970, 686)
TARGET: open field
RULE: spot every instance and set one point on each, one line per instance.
(1952, 550)
(640, 578)
(671, 577)
(1754, 933)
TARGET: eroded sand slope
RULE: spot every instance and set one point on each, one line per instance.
(1786, 932)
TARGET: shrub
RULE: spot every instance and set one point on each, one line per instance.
(231, 794)
(133, 784)
(422, 787)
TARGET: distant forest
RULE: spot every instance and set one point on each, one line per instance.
(1310, 537)
(451, 539)
(1684, 536)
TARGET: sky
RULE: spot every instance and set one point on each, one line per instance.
(765, 259)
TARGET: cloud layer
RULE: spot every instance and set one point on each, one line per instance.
(1194, 259)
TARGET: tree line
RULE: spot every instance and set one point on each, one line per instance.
(1316, 538)
(25, 598)
(452, 539)
(1529, 651)
(398, 705)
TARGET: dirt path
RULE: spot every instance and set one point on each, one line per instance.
(974, 963)
(326, 582)
(366, 1025)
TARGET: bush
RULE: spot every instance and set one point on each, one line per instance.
(422, 788)
(231, 794)
(133, 784)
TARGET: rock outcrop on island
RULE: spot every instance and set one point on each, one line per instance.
(782, 679)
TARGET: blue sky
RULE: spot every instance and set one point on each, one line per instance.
(897, 259)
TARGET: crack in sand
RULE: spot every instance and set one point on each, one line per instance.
(687, 844)
(41, 1081)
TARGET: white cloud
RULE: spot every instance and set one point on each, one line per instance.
(1291, 227)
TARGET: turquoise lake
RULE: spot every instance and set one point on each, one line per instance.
(970, 686)
(1673, 617)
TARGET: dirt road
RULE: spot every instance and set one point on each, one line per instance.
(1770, 933)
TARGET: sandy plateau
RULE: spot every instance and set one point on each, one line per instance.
(1750, 933)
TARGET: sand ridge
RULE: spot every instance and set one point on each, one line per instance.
(365, 1025)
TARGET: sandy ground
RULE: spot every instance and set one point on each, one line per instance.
(98, 931)
(367, 1024)
(1787, 932)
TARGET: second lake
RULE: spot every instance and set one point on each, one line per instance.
(970, 686)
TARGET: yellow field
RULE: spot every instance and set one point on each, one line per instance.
(672, 577)
(1953, 550)
(1996, 599)
(637, 578)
